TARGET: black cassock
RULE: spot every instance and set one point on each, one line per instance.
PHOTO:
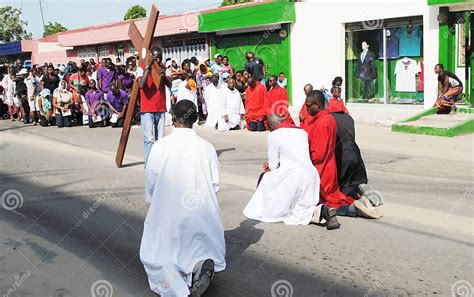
(350, 166)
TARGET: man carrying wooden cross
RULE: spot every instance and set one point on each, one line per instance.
(152, 102)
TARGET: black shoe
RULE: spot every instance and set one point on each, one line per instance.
(329, 214)
(202, 277)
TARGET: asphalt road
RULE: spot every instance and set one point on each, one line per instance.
(76, 226)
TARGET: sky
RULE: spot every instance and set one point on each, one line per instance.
(82, 13)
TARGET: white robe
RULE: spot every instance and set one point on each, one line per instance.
(212, 96)
(289, 192)
(183, 225)
(233, 107)
(186, 94)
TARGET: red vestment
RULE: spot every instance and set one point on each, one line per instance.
(337, 106)
(254, 103)
(276, 102)
(304, 124)
(322, 145)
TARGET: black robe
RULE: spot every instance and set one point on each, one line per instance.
(350, 166)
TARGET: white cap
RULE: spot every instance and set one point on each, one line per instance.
(23, 71)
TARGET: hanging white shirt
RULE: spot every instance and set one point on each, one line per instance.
(289, 192)
(406, 70)
(183, 225)
(212, 96)
(230, 105)
(185, 93)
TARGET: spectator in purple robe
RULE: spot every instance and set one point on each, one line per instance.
(106, 75)
(117, 100)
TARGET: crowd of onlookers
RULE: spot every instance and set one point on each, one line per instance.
(97, 94)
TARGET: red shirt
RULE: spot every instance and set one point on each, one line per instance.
(276, 101)
(254, 103)
(337, 106)
(304, 124)
(152, 99)
(322, 146)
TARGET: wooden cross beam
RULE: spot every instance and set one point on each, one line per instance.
(142, 44)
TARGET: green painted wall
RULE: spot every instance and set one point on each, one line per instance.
(247, 16)
(353, 90)
(267, 45)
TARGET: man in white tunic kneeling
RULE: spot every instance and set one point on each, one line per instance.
(183, 238)
(289, 191)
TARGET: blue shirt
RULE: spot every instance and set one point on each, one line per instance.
(392, 44)
(410, 44)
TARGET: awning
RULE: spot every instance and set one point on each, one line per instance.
(247, 16)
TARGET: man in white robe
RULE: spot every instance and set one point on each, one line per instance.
(212, 96)
(183, 238)
(289, 191)
(231, 108)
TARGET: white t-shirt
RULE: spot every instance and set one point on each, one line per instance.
(406, 71)
(185, 93)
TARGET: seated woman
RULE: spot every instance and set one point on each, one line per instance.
(45, 108)
(449, 87)
(62, 101)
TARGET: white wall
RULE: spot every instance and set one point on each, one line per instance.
(318, 37)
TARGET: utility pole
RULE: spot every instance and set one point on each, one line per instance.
(41, 9)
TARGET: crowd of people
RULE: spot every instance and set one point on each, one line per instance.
(97, 94)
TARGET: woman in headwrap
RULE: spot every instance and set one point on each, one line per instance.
(45, 108)
(62, 101)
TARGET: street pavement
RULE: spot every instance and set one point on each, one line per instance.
(72, 223)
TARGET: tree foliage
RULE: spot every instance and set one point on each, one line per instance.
(12, 26)
(53, 28)
(233, 2)
(135, 12)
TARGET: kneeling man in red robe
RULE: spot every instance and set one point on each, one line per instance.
(322, 144)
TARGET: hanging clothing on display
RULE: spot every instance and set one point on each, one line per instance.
(350, 55)
(421, 76)
(392, 43)
(410, 41)
(406, 70)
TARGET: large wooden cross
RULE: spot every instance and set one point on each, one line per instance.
(142, 44)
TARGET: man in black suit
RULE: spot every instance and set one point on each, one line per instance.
(366, 71)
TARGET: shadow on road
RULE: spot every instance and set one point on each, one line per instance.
(108, 239)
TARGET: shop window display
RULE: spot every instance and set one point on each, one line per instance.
(403, 68)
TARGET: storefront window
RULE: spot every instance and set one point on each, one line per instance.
(398, 78)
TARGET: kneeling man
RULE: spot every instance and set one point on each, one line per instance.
(289, 191)
(183, 237)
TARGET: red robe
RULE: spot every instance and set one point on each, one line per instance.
(337, 106)
(304, 124)
(254, 103)
(276, 101)
(322, 145)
